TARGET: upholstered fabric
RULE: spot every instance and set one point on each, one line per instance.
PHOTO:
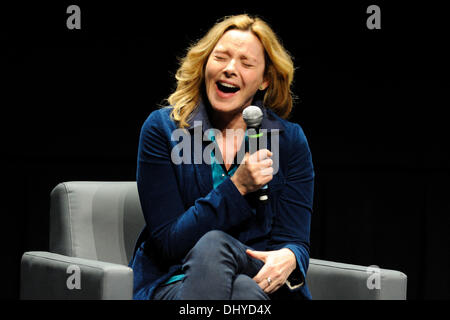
(341, 281)
(46, 275)
(94, 226)
(95, 220)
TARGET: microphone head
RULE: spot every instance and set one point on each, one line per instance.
(253, 116)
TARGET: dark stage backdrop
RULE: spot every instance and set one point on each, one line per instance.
(371, 102)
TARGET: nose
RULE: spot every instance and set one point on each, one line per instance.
(230, 68)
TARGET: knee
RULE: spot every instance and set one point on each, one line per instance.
(209, 250)
(213, 245)
(245, 288)
(213, 239)
(215, 236)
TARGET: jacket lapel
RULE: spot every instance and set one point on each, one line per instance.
(198, 124)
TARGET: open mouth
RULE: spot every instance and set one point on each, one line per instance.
(226, 87)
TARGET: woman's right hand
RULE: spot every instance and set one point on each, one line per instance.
(254, 172)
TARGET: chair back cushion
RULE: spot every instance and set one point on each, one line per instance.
(95, 220)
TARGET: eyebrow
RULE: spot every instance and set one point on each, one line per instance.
(242, 56)
(221, 51)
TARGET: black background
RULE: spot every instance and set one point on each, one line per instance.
(371, 102)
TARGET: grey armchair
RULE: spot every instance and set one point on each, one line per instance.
(93, 228)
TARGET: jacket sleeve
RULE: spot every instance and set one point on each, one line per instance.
(174, 229)
(291, 225)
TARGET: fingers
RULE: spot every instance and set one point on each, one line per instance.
(260, 255)
(276, 268)
(272, 286)
(259, 156)
(266, 171)
(261, 163)
(268, 282)
(254, 172)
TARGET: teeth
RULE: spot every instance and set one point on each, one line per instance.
(228, 85)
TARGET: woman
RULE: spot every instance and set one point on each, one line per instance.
(206, 237)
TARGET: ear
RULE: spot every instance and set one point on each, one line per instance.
(264, 85)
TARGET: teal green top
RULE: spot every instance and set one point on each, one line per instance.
(219, 174)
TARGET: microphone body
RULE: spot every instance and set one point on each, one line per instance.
(253, 116)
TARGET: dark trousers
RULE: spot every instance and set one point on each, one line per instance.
(216, 268)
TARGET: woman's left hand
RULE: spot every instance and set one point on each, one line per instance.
(278, 265)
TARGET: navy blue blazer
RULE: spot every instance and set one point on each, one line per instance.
(180, 204)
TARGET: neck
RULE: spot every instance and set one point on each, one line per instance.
(224, 121)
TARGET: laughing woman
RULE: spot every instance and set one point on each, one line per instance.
(205, 236)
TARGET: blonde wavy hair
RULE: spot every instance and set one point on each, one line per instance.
(279, 68)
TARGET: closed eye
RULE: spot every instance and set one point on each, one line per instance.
(220, 58)
(246, 62)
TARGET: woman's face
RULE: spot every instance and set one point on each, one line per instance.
(234, 71)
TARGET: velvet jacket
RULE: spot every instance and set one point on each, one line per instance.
(180, 204)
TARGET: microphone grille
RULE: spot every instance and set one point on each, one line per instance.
(253, 116)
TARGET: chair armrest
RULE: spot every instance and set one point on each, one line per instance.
(46, 275)
(341, 281)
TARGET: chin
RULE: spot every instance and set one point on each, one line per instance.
(224, 107)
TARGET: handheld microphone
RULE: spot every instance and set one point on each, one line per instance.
(253, 116)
